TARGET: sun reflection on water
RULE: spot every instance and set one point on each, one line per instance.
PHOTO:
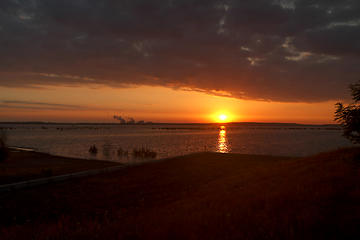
(223, 145)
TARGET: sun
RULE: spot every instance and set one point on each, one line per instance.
(222, 117)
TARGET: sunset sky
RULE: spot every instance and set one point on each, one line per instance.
(177, 60)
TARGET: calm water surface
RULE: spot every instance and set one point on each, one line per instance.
(173, 140)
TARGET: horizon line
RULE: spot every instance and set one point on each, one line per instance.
(158, 123)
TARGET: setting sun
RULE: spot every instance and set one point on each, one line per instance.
(222, 117)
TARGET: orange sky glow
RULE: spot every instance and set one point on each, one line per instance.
(156, 104)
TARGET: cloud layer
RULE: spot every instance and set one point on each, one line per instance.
(10, 104)
(295, 50)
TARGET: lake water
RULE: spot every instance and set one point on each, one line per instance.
(169, 140)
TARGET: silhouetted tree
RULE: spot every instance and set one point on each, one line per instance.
(349, 116)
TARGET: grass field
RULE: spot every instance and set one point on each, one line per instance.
(199, 196)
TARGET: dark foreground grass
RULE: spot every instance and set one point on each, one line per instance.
(22, 165)
(200, 196)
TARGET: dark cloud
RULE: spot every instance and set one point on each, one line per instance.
(295, 50)
(34, 105)
(337, 40)
(13, 104)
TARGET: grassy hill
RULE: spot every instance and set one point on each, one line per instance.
(199, 196)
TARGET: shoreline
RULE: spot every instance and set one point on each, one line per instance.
(43, 167)
(47, 161)
(23, 165)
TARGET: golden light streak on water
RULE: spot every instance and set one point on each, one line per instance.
(223, 145)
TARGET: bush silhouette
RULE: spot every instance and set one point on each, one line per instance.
(93, 150)
(143, 153)
(349, 116)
